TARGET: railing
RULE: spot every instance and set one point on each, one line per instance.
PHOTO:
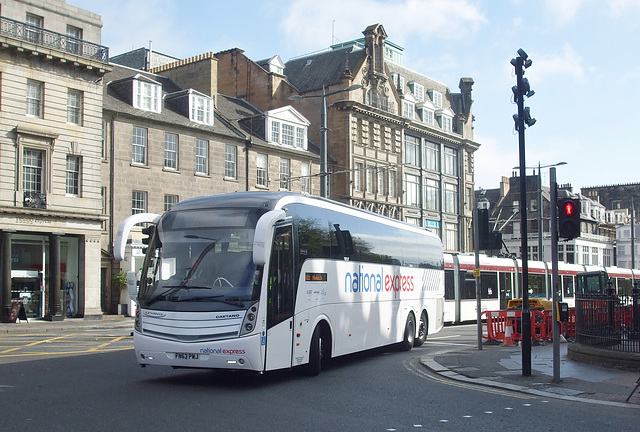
(381, 103)
(35, 200)
(62, 42)
(609, 322)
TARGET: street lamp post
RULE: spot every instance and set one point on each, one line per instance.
(323, 131)
(540, 206)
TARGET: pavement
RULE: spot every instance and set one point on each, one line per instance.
(495, 366)
(500, 367)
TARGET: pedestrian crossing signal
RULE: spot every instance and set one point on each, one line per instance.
(569, 218)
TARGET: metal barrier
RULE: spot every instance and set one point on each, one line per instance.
(497, 323)
(609, 322)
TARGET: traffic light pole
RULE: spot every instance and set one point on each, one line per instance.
(555, 282)
(526, 313)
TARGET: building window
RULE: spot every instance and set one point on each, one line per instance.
(300, 138)
(606, 257)
(139, 150)
(451, 236)
(138, 202)
(275, 132)
(202, 156)
(418, 91)
(380, 176)
(428, 116)
(32, 170)
(594, 256)
(146, 96)
(409, 109)
(431, 156)
(450, 161)
(171, 151)
(391, 185)
(436, 98)
(432, 194)
(201, 109)
(585, 255)
(446, 123)
(451, 198)
(287, 134)
(170, 201)
(74, 40)
(33, 29)
(73, 175)
(368, 179)
(411, 188)
(569, 254)
(74, 107)
(230, 161)
(305, 172)
(357, 176)
(285, 173)
(261, 167)
(411, 148)
(34, 98)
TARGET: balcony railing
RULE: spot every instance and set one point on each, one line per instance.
(35, 200)
(381, 103)
(58, 41)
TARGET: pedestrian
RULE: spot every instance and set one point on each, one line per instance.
(22, 313)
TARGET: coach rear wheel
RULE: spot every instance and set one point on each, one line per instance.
(423, 327)
(409, 333)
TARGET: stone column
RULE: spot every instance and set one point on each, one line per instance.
(54, 313)
(5, 271)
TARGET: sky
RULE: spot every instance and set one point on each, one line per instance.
(584, 53)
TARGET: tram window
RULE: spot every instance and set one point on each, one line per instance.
(468, 286)
(489, 282)
(536, 286)
(506, 285)
(624, 286)
(449, 286)
(567, 286)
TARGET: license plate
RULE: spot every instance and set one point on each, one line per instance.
(187, 356)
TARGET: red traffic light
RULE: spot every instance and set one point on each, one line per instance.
(568, 208)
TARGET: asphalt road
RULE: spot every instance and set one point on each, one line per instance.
(384, 390)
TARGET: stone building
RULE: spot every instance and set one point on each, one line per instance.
(403, 142)
(168, 136)
(51, 69)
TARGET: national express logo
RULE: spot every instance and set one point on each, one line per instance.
(376, 282)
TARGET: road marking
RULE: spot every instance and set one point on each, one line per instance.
(36, 343)
(119, 338)
(414, 366)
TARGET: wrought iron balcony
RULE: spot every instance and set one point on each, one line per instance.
(381, 103)
(39, 36)
(35, 200)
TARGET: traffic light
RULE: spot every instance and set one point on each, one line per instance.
(488, 240)
(569, 218)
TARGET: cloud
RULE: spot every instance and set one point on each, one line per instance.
(310, 23)
(563, 11)
(565, 63)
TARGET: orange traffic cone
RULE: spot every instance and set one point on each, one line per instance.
(508, 340)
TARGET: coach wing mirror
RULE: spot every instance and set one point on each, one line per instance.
(132, 285)
(264, 234)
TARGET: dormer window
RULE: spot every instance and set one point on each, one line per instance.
(201, 108)
(409, 107)
(398, 81)
(445, 119)
(287, 127)
(146, 95)
(436, 98)
(417, 90)
(426, 112)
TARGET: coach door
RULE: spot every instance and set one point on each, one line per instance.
(280, 300)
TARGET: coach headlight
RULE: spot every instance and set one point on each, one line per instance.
(249, 322)
(137, 325)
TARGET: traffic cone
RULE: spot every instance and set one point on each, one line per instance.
(508, 340)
